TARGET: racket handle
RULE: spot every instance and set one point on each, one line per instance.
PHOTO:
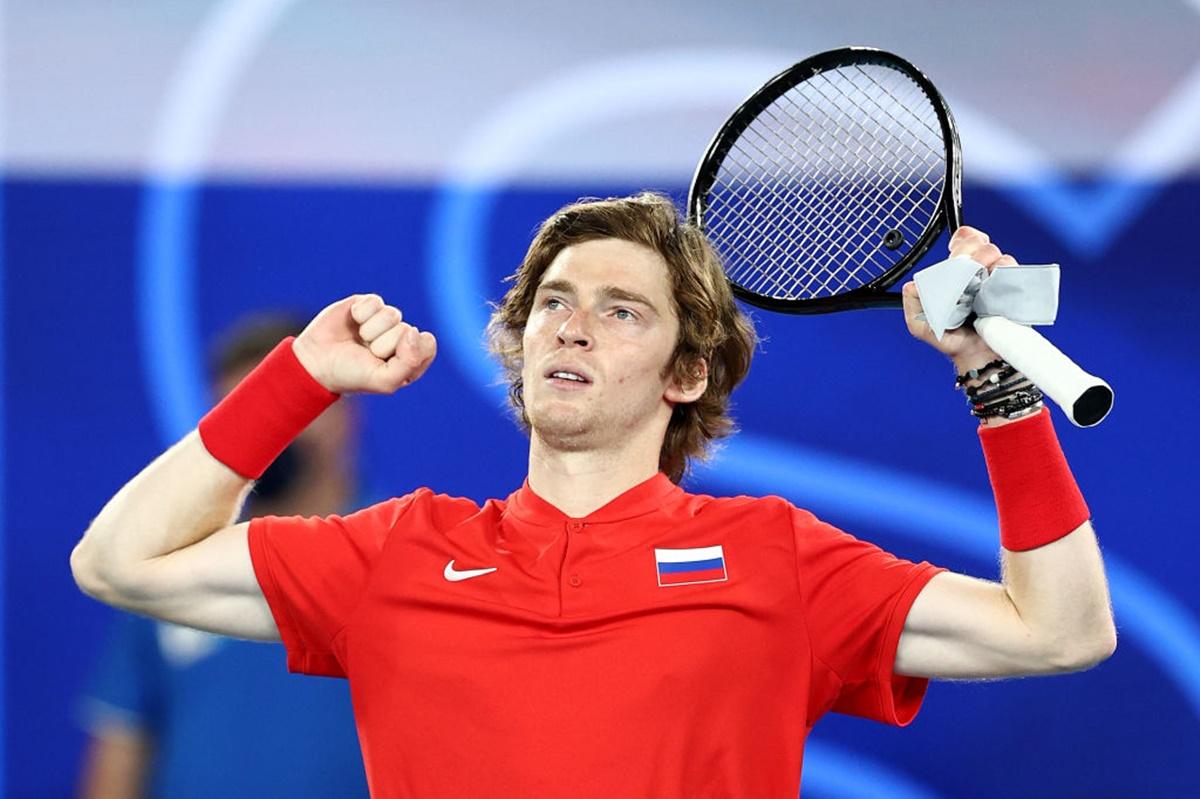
(1085, 398)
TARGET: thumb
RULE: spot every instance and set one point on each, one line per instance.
(916, 324)
(411, 359)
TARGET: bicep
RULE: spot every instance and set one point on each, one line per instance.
(210, 585)
(962, 627)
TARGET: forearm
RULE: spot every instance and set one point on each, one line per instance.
(183, 496)
(1051, 566)
(1061, 593)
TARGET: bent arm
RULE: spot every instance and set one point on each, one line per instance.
(164, 547)
(1051, 614)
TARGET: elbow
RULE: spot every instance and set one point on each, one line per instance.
(88, 577)
(1085, 653)
(81, 569)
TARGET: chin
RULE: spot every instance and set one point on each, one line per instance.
(563, 428)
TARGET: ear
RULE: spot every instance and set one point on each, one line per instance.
(695, 387)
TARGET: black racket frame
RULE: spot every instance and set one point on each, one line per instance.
(873, 294)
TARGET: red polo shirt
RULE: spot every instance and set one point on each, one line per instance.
(667, 645)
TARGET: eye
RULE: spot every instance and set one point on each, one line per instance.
(552, 303)
(625, 314)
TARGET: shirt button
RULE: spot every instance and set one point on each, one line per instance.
(575, 581)
(575, 527)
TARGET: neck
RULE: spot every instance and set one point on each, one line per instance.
(580, 482)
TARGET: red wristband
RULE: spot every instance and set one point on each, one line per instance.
(260, 417)
(1036, 496)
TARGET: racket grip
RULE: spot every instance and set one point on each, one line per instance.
(1085, 398)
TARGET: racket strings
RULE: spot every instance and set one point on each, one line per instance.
(828, 236)
(880, 192)
(804, 198)
(825, 202)
(825, 277)
(770, 237)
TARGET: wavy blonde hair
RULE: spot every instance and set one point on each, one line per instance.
(711, 326)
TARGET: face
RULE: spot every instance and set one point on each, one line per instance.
(599, 337)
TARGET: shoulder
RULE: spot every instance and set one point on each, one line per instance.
(767, 513)
(423, 504)
(758, 510)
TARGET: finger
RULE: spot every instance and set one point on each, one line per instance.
(966, 236)
(381, 321)
(365, 306)
(912, 309)
(409, 362)
(427, 347)
(986, 255)
(970, 247)
(1006, 260)
(384, 345)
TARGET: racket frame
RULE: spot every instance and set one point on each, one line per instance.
(872, 294)
(1086, 398)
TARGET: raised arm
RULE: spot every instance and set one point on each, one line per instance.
(1051, 611)
(166, 546)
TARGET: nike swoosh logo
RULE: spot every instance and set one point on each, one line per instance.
(454, 575)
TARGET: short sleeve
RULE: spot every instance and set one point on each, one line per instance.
(125, 688)
(313, 571)
(856, 598)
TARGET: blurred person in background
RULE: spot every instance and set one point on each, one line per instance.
(176, 712)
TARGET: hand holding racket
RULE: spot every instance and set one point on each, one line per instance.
(830, 182)
(962, 342)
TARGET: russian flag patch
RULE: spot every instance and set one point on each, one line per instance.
(690, 566)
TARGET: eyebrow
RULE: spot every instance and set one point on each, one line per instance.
(604, 292)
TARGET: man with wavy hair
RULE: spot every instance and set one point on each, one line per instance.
(600, 632)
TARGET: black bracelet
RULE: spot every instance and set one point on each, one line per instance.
(1027, 410)
(991, 380)
(1018, 397)
(1021, 395)
(995, 392)
(1018, 401)
(973, 374)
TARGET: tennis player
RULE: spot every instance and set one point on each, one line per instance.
(600, 632)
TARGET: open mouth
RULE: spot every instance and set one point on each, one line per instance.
(567, 377)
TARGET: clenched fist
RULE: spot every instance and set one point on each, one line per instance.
(360, 344)
(962, 344)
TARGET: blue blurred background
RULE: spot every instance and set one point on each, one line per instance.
(169, 166)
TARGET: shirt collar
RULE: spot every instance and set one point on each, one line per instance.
(650, 495)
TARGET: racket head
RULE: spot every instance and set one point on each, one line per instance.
(830, 182)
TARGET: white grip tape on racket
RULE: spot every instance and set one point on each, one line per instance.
(1085, 398)
(953, 289)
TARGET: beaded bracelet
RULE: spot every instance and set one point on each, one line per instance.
(973, 374)
(994, 379)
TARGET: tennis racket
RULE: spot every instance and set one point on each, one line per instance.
(831, 181)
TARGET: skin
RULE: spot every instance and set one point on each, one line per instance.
(163, 547)
(118, 757)
(962, 345)
(1051, 611)
(603, 307)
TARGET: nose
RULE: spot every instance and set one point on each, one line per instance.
(575, 331)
